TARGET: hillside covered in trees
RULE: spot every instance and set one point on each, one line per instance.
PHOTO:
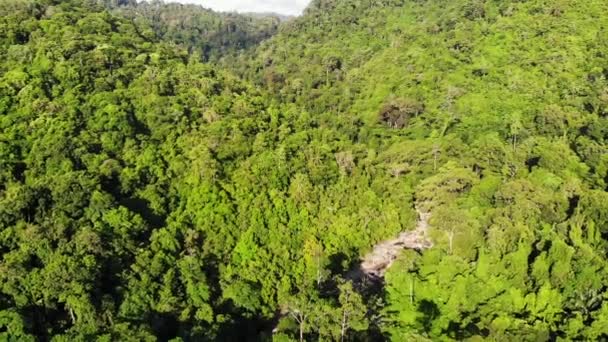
(200, 31)
(170, 173)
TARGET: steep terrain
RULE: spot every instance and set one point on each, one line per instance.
(201, 31)
(495, 112)
(146, 194)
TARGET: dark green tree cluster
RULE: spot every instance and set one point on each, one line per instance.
(148, 195)
(145, 195)
(201, 31)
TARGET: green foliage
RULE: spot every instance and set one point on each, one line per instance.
(203, 32)
(146, 194)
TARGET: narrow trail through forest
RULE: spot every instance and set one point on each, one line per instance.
(375, 264)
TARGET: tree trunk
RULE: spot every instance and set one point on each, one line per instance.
(411, 290)
(72, 316)
(343, 330)
(451, 238)
(318, 270)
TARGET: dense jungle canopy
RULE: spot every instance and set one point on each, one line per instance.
(175, 174)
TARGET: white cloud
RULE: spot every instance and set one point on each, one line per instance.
(293, 7)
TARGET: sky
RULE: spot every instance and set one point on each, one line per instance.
(291, 7)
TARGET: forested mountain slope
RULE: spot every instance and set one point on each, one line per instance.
(501, 108)
(210, 34)
(98, 134)
(145, 195)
